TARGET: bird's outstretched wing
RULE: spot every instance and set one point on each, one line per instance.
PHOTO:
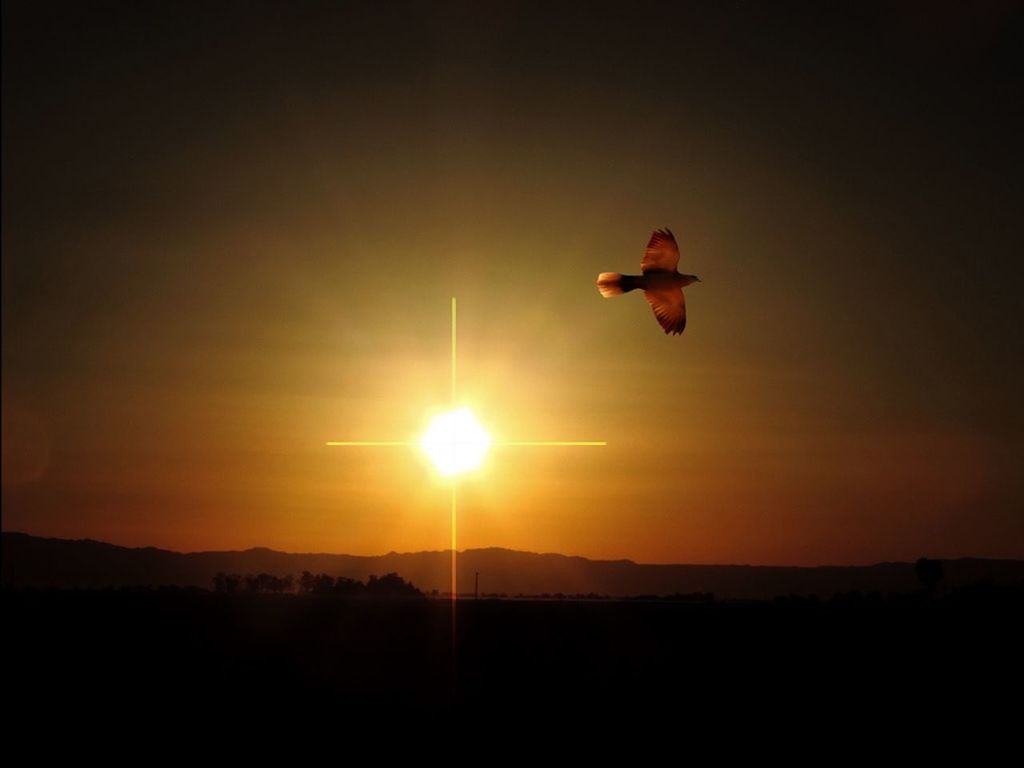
(662, 252)
(669, 307)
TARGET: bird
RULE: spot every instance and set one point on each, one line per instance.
(661, 281)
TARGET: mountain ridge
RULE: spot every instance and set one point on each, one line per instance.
(29, 560)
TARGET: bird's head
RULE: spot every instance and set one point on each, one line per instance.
(690, 279)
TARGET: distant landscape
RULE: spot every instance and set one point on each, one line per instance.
(31, 561)
(151, 631)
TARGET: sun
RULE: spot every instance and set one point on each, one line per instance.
(455, 442)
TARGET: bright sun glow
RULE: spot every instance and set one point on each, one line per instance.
(455, 442)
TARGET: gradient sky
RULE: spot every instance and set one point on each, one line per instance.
(231, 232)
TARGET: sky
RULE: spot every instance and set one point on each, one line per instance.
(231, 233)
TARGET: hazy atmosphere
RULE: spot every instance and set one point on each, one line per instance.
(232, 231)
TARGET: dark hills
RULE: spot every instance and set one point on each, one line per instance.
(35, 561)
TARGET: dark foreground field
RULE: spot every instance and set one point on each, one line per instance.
(118, 653)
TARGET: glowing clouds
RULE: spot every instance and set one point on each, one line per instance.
(455, 442)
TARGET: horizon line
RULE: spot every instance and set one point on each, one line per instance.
(518, 551)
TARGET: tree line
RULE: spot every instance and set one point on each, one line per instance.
(388, 585)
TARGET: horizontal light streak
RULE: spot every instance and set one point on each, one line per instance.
(528, 443)
(554, 442)
(343, 443)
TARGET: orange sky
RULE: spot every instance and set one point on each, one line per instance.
(204, 281)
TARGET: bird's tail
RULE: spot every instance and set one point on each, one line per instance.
(613, 284)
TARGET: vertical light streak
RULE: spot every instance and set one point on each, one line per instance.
(453, 512)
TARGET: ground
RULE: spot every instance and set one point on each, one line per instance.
(124, 651)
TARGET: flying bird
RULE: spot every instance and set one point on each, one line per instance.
(661, 281)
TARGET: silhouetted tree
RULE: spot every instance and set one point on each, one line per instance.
(391, 585)
(315, 584)
(268, 583)
(929, 573)
(257, 583)
(227, 583)
(323, 584)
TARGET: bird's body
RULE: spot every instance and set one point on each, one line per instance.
(661, 281)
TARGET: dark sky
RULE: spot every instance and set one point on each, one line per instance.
(231, 232)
